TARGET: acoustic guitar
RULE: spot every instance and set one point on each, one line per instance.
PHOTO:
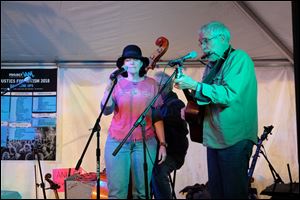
(194, 115)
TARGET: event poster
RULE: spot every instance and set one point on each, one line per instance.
(28, 113)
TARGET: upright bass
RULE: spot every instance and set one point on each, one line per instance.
(163, 44)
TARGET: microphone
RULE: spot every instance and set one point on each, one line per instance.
(116, 73)
(192, 54)
(25, 80)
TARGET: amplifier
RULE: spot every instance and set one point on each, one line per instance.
(83, 186)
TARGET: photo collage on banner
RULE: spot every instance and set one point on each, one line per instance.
(28, 113)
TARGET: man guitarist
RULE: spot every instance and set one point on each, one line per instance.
(228, 94)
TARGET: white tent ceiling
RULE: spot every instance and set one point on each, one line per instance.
(54, 31)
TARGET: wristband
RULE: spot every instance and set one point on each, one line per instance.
(163, 144)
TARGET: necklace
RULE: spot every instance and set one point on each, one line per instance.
(134, 91)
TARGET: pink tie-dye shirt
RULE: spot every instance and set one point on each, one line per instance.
(131, 99)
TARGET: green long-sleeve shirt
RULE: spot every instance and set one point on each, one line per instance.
(231, 110)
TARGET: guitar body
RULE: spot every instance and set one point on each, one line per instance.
(103, 187)
(194, 117)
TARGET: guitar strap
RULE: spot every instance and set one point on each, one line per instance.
(210, 77)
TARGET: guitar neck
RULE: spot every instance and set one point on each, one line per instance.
(56, 194)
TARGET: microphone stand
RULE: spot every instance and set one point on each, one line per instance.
(97, 129)
(13, 87)
(141, 121)
(276, 177)
(42, 185)
(36, 185)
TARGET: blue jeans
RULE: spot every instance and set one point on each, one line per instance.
(130, 157)
(160, 182)
(227, 171)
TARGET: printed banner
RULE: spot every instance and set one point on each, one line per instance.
(28, 113)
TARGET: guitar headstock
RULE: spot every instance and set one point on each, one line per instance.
(267, 131)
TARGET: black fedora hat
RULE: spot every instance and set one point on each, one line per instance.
(132, 51)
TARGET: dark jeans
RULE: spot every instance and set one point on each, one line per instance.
(227, 170)
(160, 183)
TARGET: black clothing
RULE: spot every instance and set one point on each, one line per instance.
(175, 128)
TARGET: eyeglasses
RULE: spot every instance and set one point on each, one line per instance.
(206, 40)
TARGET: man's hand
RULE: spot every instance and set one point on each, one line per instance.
(162, 154)
(185, 82)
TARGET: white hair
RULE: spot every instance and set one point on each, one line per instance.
(161, 77)
(215, 28)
